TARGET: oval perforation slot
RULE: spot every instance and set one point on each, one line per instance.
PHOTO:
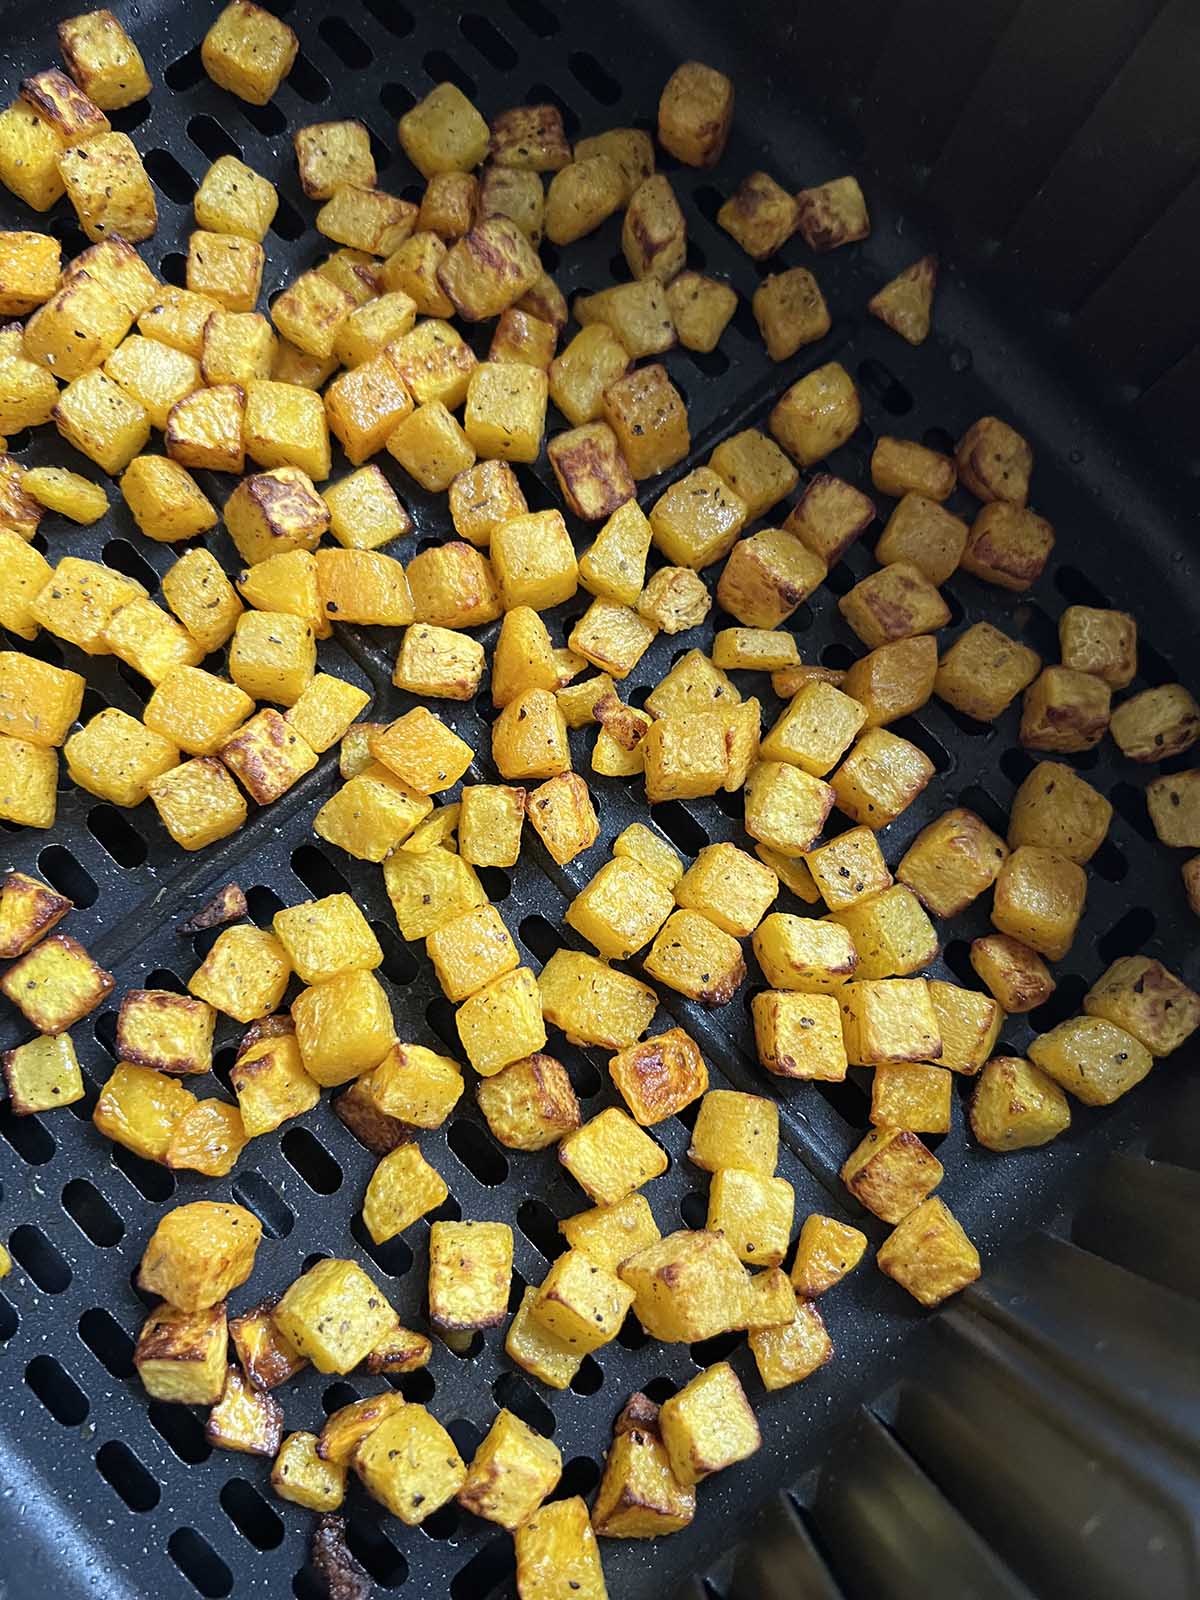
(173, 266)
(309, 82)
(182, 1430)
(150, 1180)
(394, 1256)
(252, 1190)
(538, 936)
(262, 904)
(175, 181)
(496, 882)
(351, 49)
(211, 139)
(631, 1335)
(1079, 590)
(1130, 803)
(115, 836)
(63, 872)
(186, 71)
(486, 1571)
(309, 1157)
(269, 120)
(374, 1550)
(317, 872)
(396, 98)
(399, 965)
(539, 1225)
(718, 1348)
(92, 1214)
(337, 1395)
(477, 1152)
(589, 1378)
(126, 1475)
(443, 1523)
(981, 803)
(287, 223)
(108, 1341)
(847, 1099)
(57, 1390)
(593, 77)
(32, 1141)
(104, 1031)
(938, 439)
(1127, 936)
(9, 1321)
(693, 1209)
(1065, 1002)
(1110, 862)
(200, 1563)
(511, 1391)
(538, 18)
(957, 956)
(916, 733)
(1017, 764)
(879, 380)
(443, 68)
(488, 40)
(250, 1514)
(579, 1477)
(394, 17)
(467, 1437)
(439, 1014)
(164, 978)
(1037, 629)
(417, 1387)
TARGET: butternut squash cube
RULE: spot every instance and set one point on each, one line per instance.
(233, 198)
(593, 361)
(140, 1109)
(102, 421)
(226, 268)
(523, 339)
(271, 1084)
(1101, 642)
(334, 1315)
(505, 414)
(760, 215)
(817, 414)
(150, 641)
(285, 426)
(912, 1095)
(610, 1234)
(695, 113)
(786, 807)
(28, 910)
(791, 312)
(753, 1212)
(581, 1303)
(1016, 1106)
(529, 737)
(891, 933)
(829, 516)
(330, 154)
(249, 52)
(929, 1254)
(803, 954)
(415, 1085)
(429, 887)
(431, 446)
(267, 755)
(700, 308)
(556, 1548)
(444, 133)
(174, 316)
(530, 1103)
(512, 1472)
(994, 461)
(502, 1022)
(239, 346)
(537, 1351)
(1008, 546)
(490, 824)
(880, 778)
(792, 1351)
(204, 429)
(1019, 979)
(411, 270)
(1091, 1058)
(365, 511)
(367, 219)
(1039, 899)
(103, 59)
(409, 1464)
(1143, 997)
(447, 207)
(169, 1032)
(983, 672)
(1152, 726)
(115, 757)
(199, 1253)
(273, 656)
(697, 520)
(180, 1355)
(905, 304)
(708, 1425)
(108, 186)
(470, 1269)
(488, 269)
(482, 497)
(825, 1252)
(563, 816)
(244, 974)
(38, 702)
(402, 1188)
(301, 1476)
(610, 1156)
(197, 802)
(800, 1035)
(1174, 807)
(326, 938)
(767, 576)
(165, 501)
(889, 1020)
(76, 328)
(343, 1027)
(470, 951)
(326, 708)
(637, 313)
(42, 1074)
(890, 1172)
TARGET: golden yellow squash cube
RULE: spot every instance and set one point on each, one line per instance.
(367, 219)
(1174, 807)
(334, 1314)
(166, 502)
(621, 909)
(409, 1464)
(697, 520)
(791, 1351)
(1019, 978)
(170, 1032)
(800, 1035)
(1008, 546)
(153, 374)
(343, 1027)
(244, 974)
(149, 640)
(103, 59)
(267, 756)
(563, 816)
(506, 411)
(825, 1252)
(994, 461)
(248, 51)
(197, 802)
(199, 1253)
(736, 1130)
(983, 671)
(1092, 1059)
(530, 1103)
(694, 956)
(708, 1425)
(415, 1085)
(1039, 899)
(700, 308)
(556, 1551)
(470, 1268)
(880, 778)
(141, 1109)
(78, 604)
(42, 1074)
(428, 888)
(610, 1156)
(890, 1172)
(109, 188)
(660, 1076)
(523, 339)
(271, 1084)
(901, 466)
(483, 497)
(325, 938)
(817, 414)
(470, 951)
(534, 560)
(226, 268)
(1016, 1106)
(912, 1095)
(180, 1355)
(648, 416)
(29, 154)
(1151, 726)
(116, 757)
(1140, 995)
(891, 933)
(887, 1020)
(512, 1472)
(38, 702)
(529, 737)
(502, 1022)
(929, 1254)
(325, 710)
(245, 1418)
(800, 953)
(905, 304)
(579, 377)
(444, 133)
(28, 909)
(286, 426)
(611, 1234)
(688, 1287)
(952, 862)
(204, 429)
(581, 195)
(488, 269)
(76, 328)
(448, 206)
(581, 1303)
(639, 1496)
(791, 312)
(1101, 642)
(102, 421)
(767, 576)
(208, 1139)
(923, 533)
(300, 1476)
(753, 1212)
(695, 112)
(233, 198)
(786, 808)
(402, 1188)
(537, 1351)
(24, 573)
(591, 471)
(330, 154)
(1065, 711)
(760, 215)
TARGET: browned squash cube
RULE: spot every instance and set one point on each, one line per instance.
(659, 1076)
(516, 194)
(489, 269)
(55, 984)
(637, 313)
(829, 516)
(1019, 978)
(180, 1355)
(205, 429)
(1016, 1106)
(905, 304)
(412, 270)
(695, 113)
(199, 1253)
(1157, 724)
(688, 1286)
(983, 671)
(447, 208)
(225, 268)
(639, 1496)
(791, 312)
(563, 817)
(28, 910)
(249, 52)
(895, 602)
(1058, 810)
(1039, 900)
(760, 215)
(444, 133)
(833, 214)
(581, 196)
(1065, 711)
(925, 534)
(890, 1172)
(1141, 996)
(1101, 642)
(530, 1104)
(1174, 807)
(817, 414)
(556, 1549)
(1008, 545)
(901, 466)
(1092, 1059)
(649, 418)
(929, 1254)
(994, 461)
(708, 1425)
(530, 138)
(952, 861)
(331, 154)
(700, 308)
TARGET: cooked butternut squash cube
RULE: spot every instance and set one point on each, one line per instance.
(409, 1464)
(929, 1254)
(610, 1234)
(767, 576)
(905, 303)
(301, 1476)
(334, 1315)
(1056, 809)
(310, 312)
(203, 599)
(523, 657)
(272, 656)
(490, 824)
(238, 347)
(488, 269)
(994, 461)
(140, 1109)
(483, 497)
(637, 313)
(173, 316)
(581, 1303)
(326, 708)
(267, 755)
(735, 1130)
(286, 426)
(688, 1287)
(233, 198)
(271, 1084)
(325, 938)
(529, 737)
(76, 604)
(1143, 997)
(108, 186)
(792, 1351)
(535, 561)
(367, 219)
(1174, 807)
(332, 154)
(343, 1027)
(849, 870)
(38, 702)
(880, 778)
(760, 215)
(245, 1418)
(502, 1022)
(402, 1188)
(537, 1351)
(825, 1252)
(77, 328)
(889, 1020)
(556, 1548)
(612, 637)
(208, 1139)
(591, 471)
(804, 954)
(1016, 1106)
(1019, 979)
(29, 271)
(610, 1156)
(470, 951)
(166, 502)
(613, 567)
(659, 1076)
(102, 421)
(415, 1085)
(530, 1103)
(649, 419)
(815, 730)
(891, 933)
(513, 1471)
(453, 585)
(365, 511)
(893, 680)
(952, 862)
(753, 1212)
(697, 520)
(428, 887)
(1008, 546)
(431, 446)
(505, 414)
(708, 1425)
(675, 600)
(103, 59)
(829, 516)
(983, 672)
(593, 361)
(912, 1095)
(199, 1253)
(695, 113)
(800, 1035)
(29, 154)
(563, 816)
(42, 1074)
(370, 328)
(1101, 642)
(900, 467)
(524, 340)
(204, 429)
(1039, 899)
(470, 1268)
(621, 909)
(924, 534)
(197, 802)
(244, 974)
(447, 208)
(700, 308)
(1092, 1058)
(893, 603)
(150, 641)
(890, 1172)
(817, 414)
(791, 312)
(226, 268)
(289, 365)
(639, 1496)
(28, 910)
(169, 1032)
(180, 1355)
(444, 133)
(411, 270)
(1152, 726)
(419, 748)
(24, 573)
(115, 757)
(249, 52)
(786, 807)
(580, 197)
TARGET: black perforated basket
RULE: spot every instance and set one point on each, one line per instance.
(102, 1493)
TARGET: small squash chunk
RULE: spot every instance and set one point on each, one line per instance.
(675, 600)
(610, 1156)
(370, 328)
(1092, 1059)
(912, 1095)
(1016, 1106)
(708, 1425)
(760, 215)
(204, 429)
(530, 1104)
(233, 198)
(1143, 997)
(849, 870)
(880, 778)
(1039, 899)
(175, 316)
(610, 1234)
(563, 816)
(272, 656)
(729, 887)
(647, 414)
(817, 414)
(402, 1350)
(207, 1139)
(409, 1464)
(42, 1074)
(150, 641)
(815, 730)
(447, 208)
(530, 138)
(310, 312)
(107, 184)
(887, 1020)
(1008, 546)
(893, 603)
(697, 520)
(800, 1035)
(102, 421)
(592, 473)
(225, 268)
(428, 887)
(925, 534)
(581, 1303)
(470, 951)
(581, 196)
(556, 1552)
(103, 59)
(180, 1355)
(489, 829)
(894, 680)
(688, 1287)
(905, 303)
(1152, 726)
(579, 376)
(244, 974)
(535, 561)
(929, 1254)
(325, 710)
(803, 954)
(197, 802)
(325, 938)
(1018, 978)
(29, 271)
(1174, 807)
(77, 328)
(444, 133)
(115, 757)
(453, 586)
(825, 1252)
(767, 576)
(890, 1172)
(38, 702)
(239, 346)
(505, 413)
(983, 672)
(523, 657)
(28, 910)
(995, 461)
(166, 502)
(420, 749)
(412, 270)
(637, 313)
(470, 1268)
(614, 566)
(431, 446)
(700, 308)
(537, 1351)
(793, 1351)
(952, 862)
(334, 1315)
(170, 1032)
(612, 637)
(695, 113)
(271, 1084)
(833, 214)
(529, 738)
(199, 1253)
(829, 516)
(286, 426)
(620, 910)
(786, 807)
(248, 52)
(367, 219)
(523, 339)
(343, 1027)
(29, 154)
(364, 510)
(301, 1476)
(512, 1472)
(140, 1109)
(772, 1300)
(330, 154)
(735, 1130)
(1056, 809)
(402, 1188)
(1099, 641)
(791, 312)
(753, 1212)
(488, 269)
(502, 1022)
(901, 466)
(245, 1418)
(415, 1085)
(482, 497)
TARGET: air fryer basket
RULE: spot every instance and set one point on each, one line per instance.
(102, 1492)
